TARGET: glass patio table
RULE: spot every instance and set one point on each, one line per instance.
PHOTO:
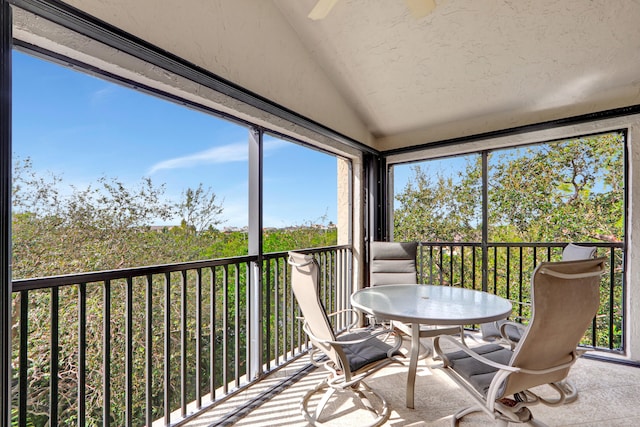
(429, 305)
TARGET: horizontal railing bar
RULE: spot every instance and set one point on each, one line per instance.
(125, 273)
(553, 245)
(522, 244)
(274, 255)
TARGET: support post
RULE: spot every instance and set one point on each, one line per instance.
(5, 212)
(254, 282)
(485, 220)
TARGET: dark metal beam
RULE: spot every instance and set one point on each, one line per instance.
(375, 187)
(518, 130)
(5, 212)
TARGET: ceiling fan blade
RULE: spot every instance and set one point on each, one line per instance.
(420, 8)
(322, 9)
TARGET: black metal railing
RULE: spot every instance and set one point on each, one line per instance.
(505, 269)
(157, 344)
(161, 344)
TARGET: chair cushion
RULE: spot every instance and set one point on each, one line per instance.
(490, 331)
(475, 372)
(381, 278)
(362, 354)
(393, 266)
(393, 263)
(393, 250)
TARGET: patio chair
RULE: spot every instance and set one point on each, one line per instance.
(565, 299)
(394, 263)
(511, 331)
(349, 357)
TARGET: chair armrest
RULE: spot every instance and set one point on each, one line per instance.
(370, 336)
(473, 354)
(355, 316)
(505, 335)
(574, 357)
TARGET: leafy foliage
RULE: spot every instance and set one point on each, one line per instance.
(103, 227)
(564, 191)
(569, 190)
(199, 210)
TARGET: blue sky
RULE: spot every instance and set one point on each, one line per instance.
(81, 128)
(446, 167)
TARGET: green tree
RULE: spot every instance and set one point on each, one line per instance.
(564, 191)
(570, 190)
(104, 226)
(436, 209)
(199, 210)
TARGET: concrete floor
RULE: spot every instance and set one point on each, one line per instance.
(609, 396)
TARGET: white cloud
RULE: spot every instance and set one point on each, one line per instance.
(100, 95)
(237, 152)
(274, 144)
(224, 154)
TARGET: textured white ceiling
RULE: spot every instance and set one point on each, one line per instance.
(372, 71)
(474, 66)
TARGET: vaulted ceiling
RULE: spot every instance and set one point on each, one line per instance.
(474, 66)
(374, 72)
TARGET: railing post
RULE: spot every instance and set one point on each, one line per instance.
(5, 213)
(254, 280)
(485, 221)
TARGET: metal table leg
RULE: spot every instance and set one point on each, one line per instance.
(413, 363)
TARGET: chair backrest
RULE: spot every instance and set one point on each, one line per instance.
(392, 263)
(573, 252)
(304, 282)
(565, 299)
